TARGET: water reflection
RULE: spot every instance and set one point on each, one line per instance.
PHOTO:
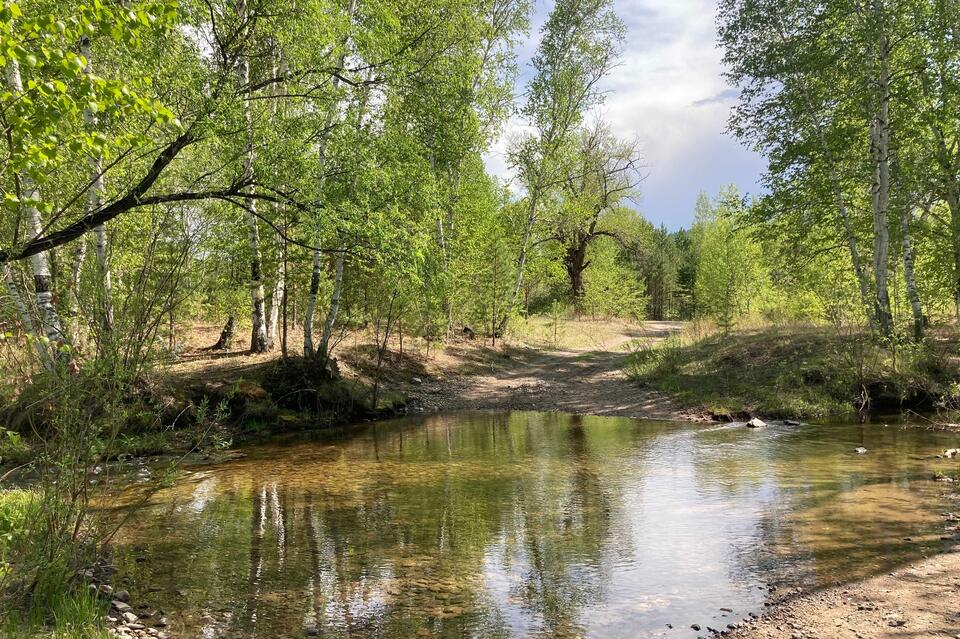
(527, 524)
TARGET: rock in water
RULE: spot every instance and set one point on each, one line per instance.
(951, 453)
(756, 423)
(791, 422)
(860, 450)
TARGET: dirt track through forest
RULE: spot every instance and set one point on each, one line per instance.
(587, 381)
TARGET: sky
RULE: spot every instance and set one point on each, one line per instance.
(670, 94)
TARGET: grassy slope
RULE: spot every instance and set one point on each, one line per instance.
(808, 372)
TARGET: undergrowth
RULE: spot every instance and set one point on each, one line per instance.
(803, 372)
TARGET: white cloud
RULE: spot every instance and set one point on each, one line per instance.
(670, 93)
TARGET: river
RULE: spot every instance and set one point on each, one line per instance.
(528, 525)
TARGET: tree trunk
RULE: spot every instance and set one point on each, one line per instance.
(308, 350)
(521, 264)
(275, 301)
(25, 320)
(575, 262)
(953, 201)
(76, 270)
(226, 336)
(258, 329)
(278, 70)
(50, 324)
(880, 147)
(94, 201)
(331, 320)
(909, 277)
(849, 232)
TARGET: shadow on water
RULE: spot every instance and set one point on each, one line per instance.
(527, 524)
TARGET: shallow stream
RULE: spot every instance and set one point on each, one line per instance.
(529, 525)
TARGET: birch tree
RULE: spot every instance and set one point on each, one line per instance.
(579, 46)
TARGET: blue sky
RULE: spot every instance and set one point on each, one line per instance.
(669, 93)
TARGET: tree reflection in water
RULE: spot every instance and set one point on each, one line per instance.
(522, 524)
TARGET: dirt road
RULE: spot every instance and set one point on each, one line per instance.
(584, 380)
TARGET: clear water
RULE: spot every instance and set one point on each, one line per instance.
(529, 525)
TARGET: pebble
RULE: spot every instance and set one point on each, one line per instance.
(121, 607)
(122, 595)
(695, 626)
(129, 617)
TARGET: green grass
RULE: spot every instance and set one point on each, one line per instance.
(74, 615)
(68, 611)
(790, 373)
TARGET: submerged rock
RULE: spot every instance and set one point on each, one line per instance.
(860, 450)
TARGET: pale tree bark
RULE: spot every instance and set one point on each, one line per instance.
(953, 201)
(948, 161)
(308, 350)
(521, 263)
(25, 320)
(276, 299)
(880, 193)
(258, 330)
(278, 289)
(909, 276)
(76, 270)
(50, 324)
(324, 349)
(843, 211)
(94, 200)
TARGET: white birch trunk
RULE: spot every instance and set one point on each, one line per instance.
(258, 330)
(311, 306)
(94, 201)
(909, 276)
(76, 270)
(274, 318)
(521, 263)
(330, 322)
(308, 350)
(25, 320)
(50, 324)
(880, 196)
(276, 298)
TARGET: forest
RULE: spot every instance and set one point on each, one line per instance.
(307, 174)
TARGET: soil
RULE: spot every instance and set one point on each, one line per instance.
(919, 600)
(585, 380)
